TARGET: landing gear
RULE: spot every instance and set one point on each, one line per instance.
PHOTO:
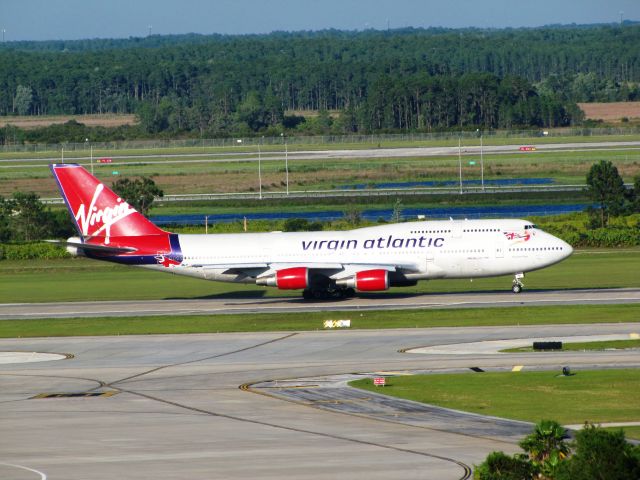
(328, 294)
(348, 292)
(517, 283)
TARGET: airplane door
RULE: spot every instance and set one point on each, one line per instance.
(500, 247)
(429, 263)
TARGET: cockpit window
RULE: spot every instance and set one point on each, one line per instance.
(529, 227)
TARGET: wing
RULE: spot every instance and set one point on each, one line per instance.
(334, 270)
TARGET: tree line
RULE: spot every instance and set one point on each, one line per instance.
(399, 80)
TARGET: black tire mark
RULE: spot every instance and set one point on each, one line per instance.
(466, 469)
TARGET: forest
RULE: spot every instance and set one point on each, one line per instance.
(370, 81)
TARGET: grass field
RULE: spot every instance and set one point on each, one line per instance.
(630, 432)
(611, 111)
(228, 170)
(585, 346)
(84, 280)
(309, 321)
(594, 396)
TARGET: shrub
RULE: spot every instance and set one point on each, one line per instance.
(499, 466)
(32, 251)
(601, 454)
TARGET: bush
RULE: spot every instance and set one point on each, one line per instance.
(32, 251)
(597, 454)
(499, 466)
(301, 225)
(601, 454)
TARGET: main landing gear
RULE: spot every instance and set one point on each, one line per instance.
(517, 283)
(328, 294)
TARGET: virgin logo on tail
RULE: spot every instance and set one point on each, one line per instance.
(105, 218)
(99, 212)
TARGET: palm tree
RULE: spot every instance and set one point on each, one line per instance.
(546, 447)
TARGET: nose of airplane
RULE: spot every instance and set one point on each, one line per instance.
(566, 248)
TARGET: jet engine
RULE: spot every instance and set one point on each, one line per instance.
(367, 281)
(296, 278)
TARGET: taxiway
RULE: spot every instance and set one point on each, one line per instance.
(170, 406)
(384, 301)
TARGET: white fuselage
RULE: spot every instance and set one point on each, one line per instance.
(420, 250)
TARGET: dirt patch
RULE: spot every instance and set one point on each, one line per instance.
(31, 122)
(312, 113)
(611, 112)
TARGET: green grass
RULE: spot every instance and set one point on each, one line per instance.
(85, 280)
(594, 396)
(630, 432)
(562, 166)
(584, 346)
(309, 321)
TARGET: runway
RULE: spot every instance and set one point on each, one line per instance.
(313, 155)
(383, 301)
(170, 407)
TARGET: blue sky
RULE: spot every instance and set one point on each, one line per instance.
(74, 19)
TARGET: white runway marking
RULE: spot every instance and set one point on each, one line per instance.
(28, 357)
(42, 475)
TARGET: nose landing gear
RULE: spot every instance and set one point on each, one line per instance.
(517, 283)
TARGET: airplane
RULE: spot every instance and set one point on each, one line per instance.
(324, 264)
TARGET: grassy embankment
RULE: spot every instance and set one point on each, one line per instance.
(595, 396)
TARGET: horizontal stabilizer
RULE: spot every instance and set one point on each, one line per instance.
(92, 247)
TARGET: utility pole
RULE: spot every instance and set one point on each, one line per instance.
(460, 162)
(286, 160)
(481, 163)
(86, 141)
(260, 171)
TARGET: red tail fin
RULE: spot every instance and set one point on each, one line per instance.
(98, 212)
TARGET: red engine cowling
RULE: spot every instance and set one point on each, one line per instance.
(372, 280)
(295, 278)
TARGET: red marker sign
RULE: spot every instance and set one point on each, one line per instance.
(527, 149)
(379, 381)
(105, 160)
